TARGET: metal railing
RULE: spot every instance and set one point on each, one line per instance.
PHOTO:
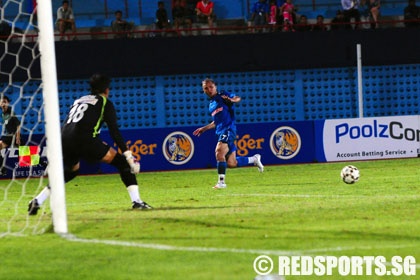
(152, 31)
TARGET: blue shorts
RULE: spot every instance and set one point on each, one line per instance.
(228, 136)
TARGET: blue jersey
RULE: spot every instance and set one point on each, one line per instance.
(260, 8)
(223, 115)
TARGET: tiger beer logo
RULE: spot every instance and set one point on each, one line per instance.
(285, 142)
(178, 148)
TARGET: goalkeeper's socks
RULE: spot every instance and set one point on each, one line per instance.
(43, 195)
(121, 164)
(133, 191)
(70, 175)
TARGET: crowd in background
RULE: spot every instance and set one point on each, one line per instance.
(265, 16)
(353, 14)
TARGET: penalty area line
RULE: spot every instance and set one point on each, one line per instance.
(163, 247)
(320, 195)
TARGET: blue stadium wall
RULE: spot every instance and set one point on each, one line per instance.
(292, 79)
(267, 96)
(281, 76)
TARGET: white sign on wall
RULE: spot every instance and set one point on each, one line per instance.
(371, 138)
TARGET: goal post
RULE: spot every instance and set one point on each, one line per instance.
(31, 116)
(359, 80)
(52, 116)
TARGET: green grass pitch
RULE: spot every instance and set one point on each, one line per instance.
(196, 232)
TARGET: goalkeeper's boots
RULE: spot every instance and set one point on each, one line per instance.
(141, 205)
(220, 185)
(258, 163)
(33, 207)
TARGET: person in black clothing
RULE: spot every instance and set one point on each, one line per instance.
(181, 15)
(162, 20)
(412, 14)
(339, 22)
(319, 25)
(5, 30)
(120, 26)
(11, 130)
(80, 140)
(303, 24)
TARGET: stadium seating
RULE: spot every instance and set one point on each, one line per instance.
(268, 96)
(99, 13)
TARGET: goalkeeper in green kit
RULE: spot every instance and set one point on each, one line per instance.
(80, 140)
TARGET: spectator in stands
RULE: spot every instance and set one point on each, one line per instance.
(181, 15)
(259, 17)
(303, 24)
(351, 11)
(65, 20)
(339, 22)
(11, 130)
(373, 6)
(5, 30)
(412, 14)
(122, 27)
(365, 16)
(319, 25)
(288, 10)
(205, 13)
(162, 20)
(272, 18)
(279, 13)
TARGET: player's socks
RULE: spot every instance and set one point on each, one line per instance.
(121, 164)
(133, 191)
(243, 161)
(70, 175)
(221, 167)
(222, 178)
(221, 170)
(43, 195)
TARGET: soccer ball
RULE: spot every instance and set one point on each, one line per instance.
(350, 174)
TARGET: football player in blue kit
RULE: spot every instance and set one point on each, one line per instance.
(80, 140)
(221, 108)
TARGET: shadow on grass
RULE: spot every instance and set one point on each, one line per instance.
(192, 222)
(190, 208)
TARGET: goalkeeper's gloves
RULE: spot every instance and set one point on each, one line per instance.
(134, 165)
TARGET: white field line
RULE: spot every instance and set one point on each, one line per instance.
(414, 196)
(164, 247)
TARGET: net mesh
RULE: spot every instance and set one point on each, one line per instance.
(20, 81)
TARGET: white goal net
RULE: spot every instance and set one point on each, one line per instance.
(30, 124)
